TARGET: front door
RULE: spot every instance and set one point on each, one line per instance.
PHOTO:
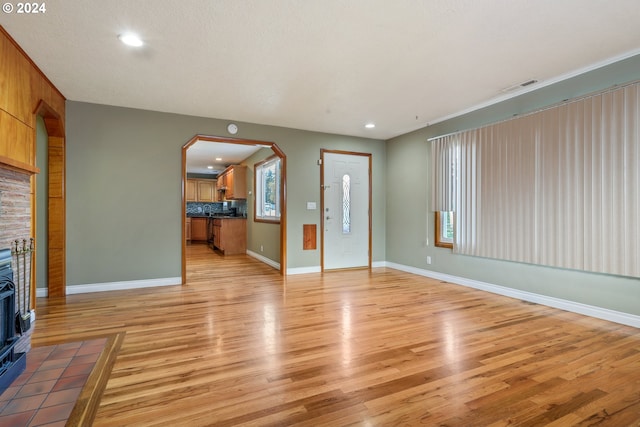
(346, 205)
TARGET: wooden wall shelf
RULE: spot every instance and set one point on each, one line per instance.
(18, 166)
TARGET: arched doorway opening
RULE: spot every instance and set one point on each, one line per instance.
(56, 271)
(283, 185)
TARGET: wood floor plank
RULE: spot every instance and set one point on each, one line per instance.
(241, 345)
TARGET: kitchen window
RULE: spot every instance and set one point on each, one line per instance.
(267, 185)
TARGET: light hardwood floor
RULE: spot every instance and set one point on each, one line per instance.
(241, 345)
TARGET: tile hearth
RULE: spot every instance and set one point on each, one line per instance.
(46, 392)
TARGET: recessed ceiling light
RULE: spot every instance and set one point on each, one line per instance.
(370, 125)
(130, 39)
(209, 167)
(218, 159)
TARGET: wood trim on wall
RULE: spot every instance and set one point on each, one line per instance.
(57, 218)
(33, 64)
(17, 165)
(27, 93)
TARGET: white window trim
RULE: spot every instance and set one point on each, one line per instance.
(259, 169)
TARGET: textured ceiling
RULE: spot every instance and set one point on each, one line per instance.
(325, 65)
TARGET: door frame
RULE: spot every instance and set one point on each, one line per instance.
(283, 193)
(322, 243)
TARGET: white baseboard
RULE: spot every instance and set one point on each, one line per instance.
(318, 269)
(575, 307)
(303, 270)
(115, 286)
(264, 259)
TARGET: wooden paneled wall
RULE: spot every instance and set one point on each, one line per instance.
(25, 92)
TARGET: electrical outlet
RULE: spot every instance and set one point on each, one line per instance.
(429, 260)
(261, 248)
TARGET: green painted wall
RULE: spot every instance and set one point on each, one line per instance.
(262, 238)
(124, 195)
(42, 192)
(410, 233)
(124, 189)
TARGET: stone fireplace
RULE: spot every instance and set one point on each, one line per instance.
(15, 217)
(15, 206)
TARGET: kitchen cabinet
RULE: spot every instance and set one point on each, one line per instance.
(207, 191)
(229, 193)
(221, 182)
(217, 226)
(201, 190)
(187, 229)
(230, 235)
(234, 182)
(198, 229)
(190, 191)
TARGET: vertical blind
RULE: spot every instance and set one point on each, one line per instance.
(558, 187)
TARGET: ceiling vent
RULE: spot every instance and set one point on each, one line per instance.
(519, 85)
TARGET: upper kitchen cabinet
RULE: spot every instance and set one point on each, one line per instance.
(207, 191)
(229, 190)
(191, 190)
(221, 182)
(201, 190)
(234, 182)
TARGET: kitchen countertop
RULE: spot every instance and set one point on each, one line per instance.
(215, 216)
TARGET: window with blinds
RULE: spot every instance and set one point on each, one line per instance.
(558, 187)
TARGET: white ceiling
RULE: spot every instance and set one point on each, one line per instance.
(324, 65)
(203, 154)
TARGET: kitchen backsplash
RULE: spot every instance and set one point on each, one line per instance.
(201, 208)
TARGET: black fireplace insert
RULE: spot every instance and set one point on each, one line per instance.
(11, 364)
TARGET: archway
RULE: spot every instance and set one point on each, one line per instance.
(56, 280)
(283, 186)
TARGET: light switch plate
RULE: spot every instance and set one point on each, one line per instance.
(311, 206)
